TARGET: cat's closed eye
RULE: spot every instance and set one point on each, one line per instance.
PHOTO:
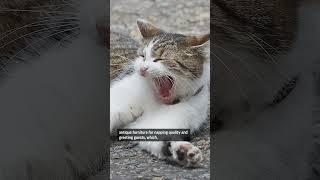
(141, 53)
(156, 60)
(142, 56)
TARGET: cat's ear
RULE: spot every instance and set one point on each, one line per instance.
(148, 30)
(196, 40)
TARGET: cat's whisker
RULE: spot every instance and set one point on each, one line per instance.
(39, 23)
(41, 39)
(62, 18)
(55, 6)
(271, 58)
(225, 24)
(39, 31)
(237, 80)
(255, 36)
(246, 65)
(36, 11)
(260, 45)
(236, 44)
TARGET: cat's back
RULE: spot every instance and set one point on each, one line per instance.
(123, 49)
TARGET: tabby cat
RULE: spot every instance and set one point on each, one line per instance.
(261, 56)
(166, 86)
(52, 89)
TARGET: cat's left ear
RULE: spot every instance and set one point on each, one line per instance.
(196, 40)
(148, 30)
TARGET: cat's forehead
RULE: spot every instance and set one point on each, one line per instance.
(165, 40)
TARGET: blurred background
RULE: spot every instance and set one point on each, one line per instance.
(187, 17)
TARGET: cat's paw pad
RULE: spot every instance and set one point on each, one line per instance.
(187, 154)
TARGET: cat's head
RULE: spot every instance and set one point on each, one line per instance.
(173, 63)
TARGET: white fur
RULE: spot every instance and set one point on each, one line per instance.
(148, 51)
(134, 105)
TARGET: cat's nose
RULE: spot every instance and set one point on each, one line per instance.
(143, 71)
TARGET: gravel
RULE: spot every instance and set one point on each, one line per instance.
(129, 162)
(180, 16)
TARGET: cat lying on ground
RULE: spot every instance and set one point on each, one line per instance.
(165, 86)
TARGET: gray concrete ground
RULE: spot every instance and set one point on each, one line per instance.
(180, 16)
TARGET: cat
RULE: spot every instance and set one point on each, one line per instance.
(166, 86)
(262, 52)
(52, 89)
(252, 40)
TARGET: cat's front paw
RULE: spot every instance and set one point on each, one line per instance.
(186, 154)
(120, 116)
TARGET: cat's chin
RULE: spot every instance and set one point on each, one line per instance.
(163, 88)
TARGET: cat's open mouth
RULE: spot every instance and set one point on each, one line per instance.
(164, 86)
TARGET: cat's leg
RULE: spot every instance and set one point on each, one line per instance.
(127, 97)
(181, 152)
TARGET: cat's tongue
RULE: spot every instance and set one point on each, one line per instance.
(164, 90)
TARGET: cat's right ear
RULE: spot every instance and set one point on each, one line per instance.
(196, 40)
(148, 30)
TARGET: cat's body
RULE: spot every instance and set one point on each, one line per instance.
(52, 90)
(136, 102)
(264, 44)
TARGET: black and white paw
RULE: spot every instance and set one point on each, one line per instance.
(186, 154)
